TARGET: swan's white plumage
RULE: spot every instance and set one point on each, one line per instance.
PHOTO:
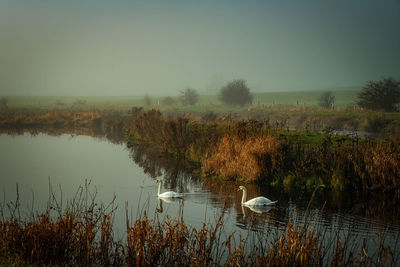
(169, 194)
(257, 201)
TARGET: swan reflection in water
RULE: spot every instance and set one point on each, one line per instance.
(168, 200)
(254, 217)
(257, 209)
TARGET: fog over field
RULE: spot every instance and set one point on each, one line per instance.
(160, 47)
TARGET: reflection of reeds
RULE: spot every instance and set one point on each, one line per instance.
(82, 234)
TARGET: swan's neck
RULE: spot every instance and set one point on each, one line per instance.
(159, 188)
(244, 196)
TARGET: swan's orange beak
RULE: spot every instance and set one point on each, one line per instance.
(238, 190)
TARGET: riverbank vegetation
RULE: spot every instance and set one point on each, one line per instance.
(234, 148)
(344, 98)
(256, 151)
(291, 110)
(251, 145)
(81, 233)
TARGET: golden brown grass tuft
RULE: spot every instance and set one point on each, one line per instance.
(80, 235)
(171, 243)
(295, 248)
(246, 159)
(380, 167)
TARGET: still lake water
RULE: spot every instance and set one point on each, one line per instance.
(113, 169)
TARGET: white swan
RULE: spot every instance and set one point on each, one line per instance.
(168, 194)
(257, 201)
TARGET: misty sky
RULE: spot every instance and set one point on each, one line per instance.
(126, 47)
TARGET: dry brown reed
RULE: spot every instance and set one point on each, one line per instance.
(255, 151)
(171, 243)
(380, 166)
(237, 149)
(51, 118)
(246, 159)
(81, 234)
(295, 249)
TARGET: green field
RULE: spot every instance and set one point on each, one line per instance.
(343, 98)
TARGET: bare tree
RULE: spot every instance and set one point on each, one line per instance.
(383, 95)
(189, 96)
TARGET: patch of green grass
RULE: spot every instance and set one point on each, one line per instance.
(343, 97)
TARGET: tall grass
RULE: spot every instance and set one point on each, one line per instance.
(247, 159)
(82, 234)
(79, 234)
(257, 151)
(237, 149)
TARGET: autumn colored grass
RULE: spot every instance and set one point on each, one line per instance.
(247, 159)
(238, 149)
(81, 234)
(257, 151)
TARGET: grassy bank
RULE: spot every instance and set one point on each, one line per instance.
(293, 110)
(256, 151)
(232, 148)
(344, 97)
(82, 234)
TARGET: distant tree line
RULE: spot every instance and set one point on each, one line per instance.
(382, 95)
(235, 93)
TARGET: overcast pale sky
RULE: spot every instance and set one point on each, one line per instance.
(125, 47)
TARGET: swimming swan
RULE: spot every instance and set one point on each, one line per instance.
(167, 194)
(258, 201)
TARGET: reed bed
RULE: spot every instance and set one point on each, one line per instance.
(256, 151)
(248, 159)
(81, 234)
(64, 120)
(249, 150)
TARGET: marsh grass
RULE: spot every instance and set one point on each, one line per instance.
(81, 234)
(49, 118)
(236, 149)
(247, 159)
(255, 151)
